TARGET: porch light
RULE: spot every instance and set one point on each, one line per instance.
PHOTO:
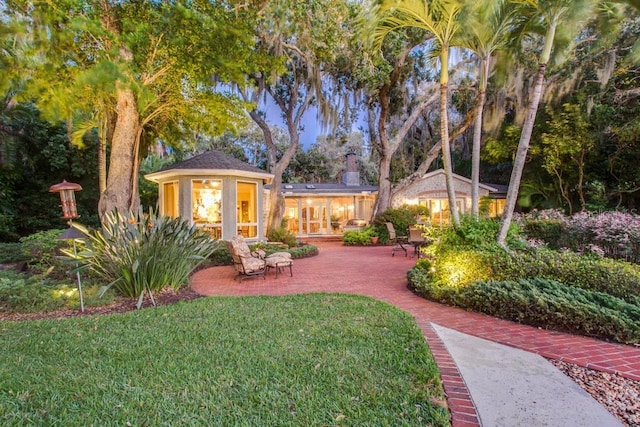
(67, 197)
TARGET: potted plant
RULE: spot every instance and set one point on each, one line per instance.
(373, 236)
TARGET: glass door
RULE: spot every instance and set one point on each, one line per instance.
(315, 217)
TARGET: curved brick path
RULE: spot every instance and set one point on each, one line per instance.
(374, 272)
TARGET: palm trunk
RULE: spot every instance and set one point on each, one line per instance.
(118, 194)
(444, 137)
(477, 139)
(525, 137)
(521, 157)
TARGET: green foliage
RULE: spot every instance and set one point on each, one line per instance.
(11, 252)
(42, 251)
(617, 278)
(540, 302)
(22, 293)
(303, 251)
(282, 234)
(550, 304)
(144, 252)
(401, 218)
(358, 237)
(334, 360)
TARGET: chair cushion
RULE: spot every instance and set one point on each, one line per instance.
(285, 255)
(252, 264)
(240, 246)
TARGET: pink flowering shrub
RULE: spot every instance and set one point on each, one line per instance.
(609, 234)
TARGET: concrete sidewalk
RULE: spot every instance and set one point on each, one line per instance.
(512, 387)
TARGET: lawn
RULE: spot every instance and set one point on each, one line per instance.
(312, 360)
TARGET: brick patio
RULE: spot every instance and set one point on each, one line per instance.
(372, 271)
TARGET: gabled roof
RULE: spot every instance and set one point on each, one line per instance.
(437, 172)
(211, 162)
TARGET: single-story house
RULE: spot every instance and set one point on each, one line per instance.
(227, 197)
(431, 191)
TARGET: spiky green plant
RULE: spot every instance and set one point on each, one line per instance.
(144, 252)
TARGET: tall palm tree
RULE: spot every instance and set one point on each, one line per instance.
(546, 15)
(496, 22)
(445, 21)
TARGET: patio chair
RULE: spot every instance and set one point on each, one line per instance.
(398, 241)
(276, 260)
(247, 265)
(416, 239)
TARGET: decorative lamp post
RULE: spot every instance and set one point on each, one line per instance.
(70, 212)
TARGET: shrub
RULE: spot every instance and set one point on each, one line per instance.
(550, 304)
(358, 237)
(145, 252)
(539, 302)
(11, 252)
(616, 278)
(23, 293)
(303, 251)
(42, 251)
(282, 234)
(401, 218)
(610, 234)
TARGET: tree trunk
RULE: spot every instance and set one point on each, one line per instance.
(444, 137)
(119, 193)
(477, 139)
(521, 156)
(383, 200)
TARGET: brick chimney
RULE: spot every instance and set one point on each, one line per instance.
(351, 176)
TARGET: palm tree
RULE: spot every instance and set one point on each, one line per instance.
(545, 14)
(445, 21)
(496, 21)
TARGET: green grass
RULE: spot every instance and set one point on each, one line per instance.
(306, 360)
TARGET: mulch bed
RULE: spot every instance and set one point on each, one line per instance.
(121, 305)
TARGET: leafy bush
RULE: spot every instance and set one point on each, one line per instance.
(22, 293)
(609, 234)
(401, 218)
(282, 234)
(550, 304)
(145, 252)
(42, 251)
(540, 302)
(11, 252)
(358, 237)
(616, 278)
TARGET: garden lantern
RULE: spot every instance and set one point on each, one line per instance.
(67, 197)
(70, 212)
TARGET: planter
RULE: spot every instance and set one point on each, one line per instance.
(374, 240)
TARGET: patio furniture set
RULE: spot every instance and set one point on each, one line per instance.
(248, 263)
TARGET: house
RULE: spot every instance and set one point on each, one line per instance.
(431, 191)
(219, 193)
(226, 197)
(323, 209)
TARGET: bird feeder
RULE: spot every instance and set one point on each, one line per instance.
(70, 212)
(67, 197)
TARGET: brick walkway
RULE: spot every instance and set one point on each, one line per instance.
(374, 272)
